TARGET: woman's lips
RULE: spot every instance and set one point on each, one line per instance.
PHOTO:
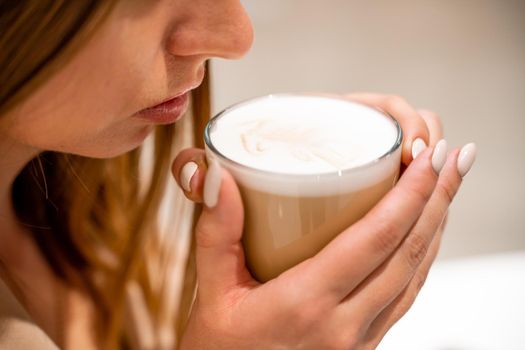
(167, 112)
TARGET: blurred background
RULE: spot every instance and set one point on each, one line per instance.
(464, 59)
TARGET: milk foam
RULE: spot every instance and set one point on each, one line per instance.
(303, 134)
(305, 145)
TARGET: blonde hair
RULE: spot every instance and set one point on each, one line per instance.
(97, 220)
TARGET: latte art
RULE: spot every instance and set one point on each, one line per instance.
(303, 135)
(300, 143)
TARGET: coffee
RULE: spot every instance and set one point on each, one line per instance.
(307, 168)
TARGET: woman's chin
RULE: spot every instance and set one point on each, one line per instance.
(116, 146)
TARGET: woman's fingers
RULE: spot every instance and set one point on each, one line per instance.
(358, 251)
(398, 308)
(220, 259)
(434, 126)
(189, 169)
(413, 126)
(219, 253)
(391, 278)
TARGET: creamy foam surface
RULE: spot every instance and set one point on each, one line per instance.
(303, 134)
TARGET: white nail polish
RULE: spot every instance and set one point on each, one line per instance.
(466, 158)
(212, 184)
(418, 146)
(187, 172)
(440, 156)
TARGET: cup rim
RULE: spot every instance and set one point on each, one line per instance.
(209, 144)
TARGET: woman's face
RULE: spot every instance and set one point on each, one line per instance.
(145, 53)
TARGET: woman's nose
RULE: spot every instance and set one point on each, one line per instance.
(212, 28)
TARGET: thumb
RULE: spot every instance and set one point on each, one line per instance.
(219, 252)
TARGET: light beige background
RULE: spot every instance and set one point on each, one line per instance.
(462, 58)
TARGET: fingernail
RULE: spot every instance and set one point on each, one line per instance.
(466, 158)
(440, 156)
(212, 184)
(187, 172)
(418, 146)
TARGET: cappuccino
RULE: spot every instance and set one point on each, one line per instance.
(307, 168)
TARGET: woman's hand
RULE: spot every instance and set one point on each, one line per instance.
(349, 294)
(422, 125)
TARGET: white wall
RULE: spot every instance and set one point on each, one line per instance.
(462, 58)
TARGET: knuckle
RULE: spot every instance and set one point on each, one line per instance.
(386, 238)
(434, 218)
(419, 192)
(205, 235)
(342, 341)
(307, 315)
(431, 115)
(422, 194)
(446, 190)
(421, 278)
(403, 307)
(410, 296)
(422, 184)
(416, 250)
(408, 299)
(395, 101)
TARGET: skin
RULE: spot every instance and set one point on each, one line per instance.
(322, 303)
(144, 53)
(147, 52)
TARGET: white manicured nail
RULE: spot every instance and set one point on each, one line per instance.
(466, 158)
(440, 156)
(212, 184)
(187, 172)
(418, 146)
